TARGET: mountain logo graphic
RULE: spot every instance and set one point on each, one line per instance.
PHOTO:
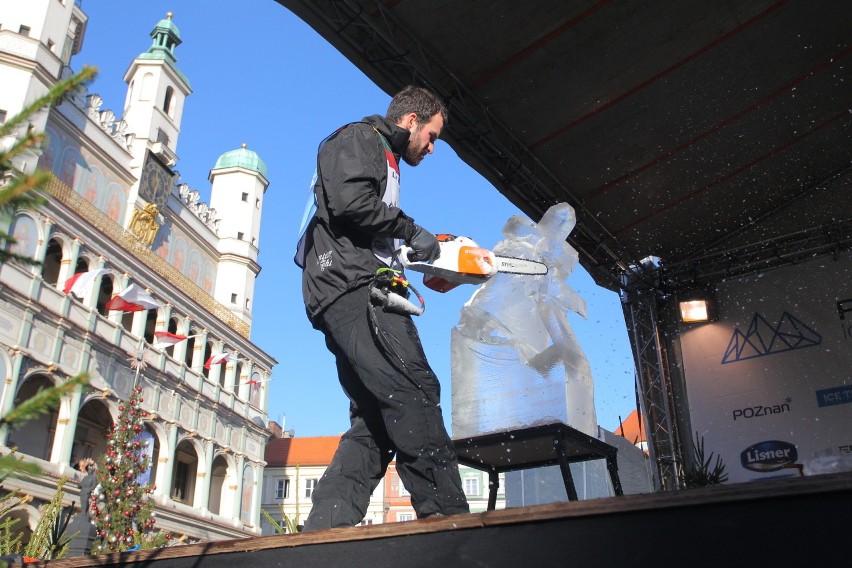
(763, 338)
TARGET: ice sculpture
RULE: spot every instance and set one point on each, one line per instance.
(515, 359)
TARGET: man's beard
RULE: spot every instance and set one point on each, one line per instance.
(413, 155)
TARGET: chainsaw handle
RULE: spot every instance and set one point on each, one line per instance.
(402, 255)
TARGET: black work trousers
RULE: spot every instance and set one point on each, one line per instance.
(394, 410)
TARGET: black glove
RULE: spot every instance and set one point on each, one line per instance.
(424, 246)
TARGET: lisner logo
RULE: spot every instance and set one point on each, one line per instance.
(771, 455)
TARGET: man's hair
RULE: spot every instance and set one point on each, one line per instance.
(422, 102)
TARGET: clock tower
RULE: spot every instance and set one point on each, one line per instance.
(153, 109)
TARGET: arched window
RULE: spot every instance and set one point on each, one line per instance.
(185, 473)
(221, 498)
(238, 376)
(173, 327)
(168, 102)
(150, 325)
(90, 436)
(254, 393)
(34, 438)
(151, 450)
(52, 262)
(208, 352)
(129, 96)
(127, 320)
(190, 349)
(146, 93)
(104, 294)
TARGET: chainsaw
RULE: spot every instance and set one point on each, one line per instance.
(462, 261)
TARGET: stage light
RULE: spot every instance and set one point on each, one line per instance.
(693, 311)
(696, 306)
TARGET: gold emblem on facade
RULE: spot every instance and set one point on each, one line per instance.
(144, 224)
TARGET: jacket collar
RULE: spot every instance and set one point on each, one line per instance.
(396, 136)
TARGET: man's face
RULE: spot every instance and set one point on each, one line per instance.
(423, 137)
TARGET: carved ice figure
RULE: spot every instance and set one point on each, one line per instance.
(515, 359)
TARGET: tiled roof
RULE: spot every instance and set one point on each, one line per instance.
(630, 429)
(316, 450)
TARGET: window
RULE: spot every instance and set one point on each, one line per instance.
(245, 196)
(471, 486)
(310, 485)
(233, 298)
(181, 481)
(240, 235)
(403, 492)
(24, 31)
(167, 102)
(366, 522)
(282, 488)
(405, 517)
(2, 116)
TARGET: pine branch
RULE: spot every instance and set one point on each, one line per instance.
(9, 464)
(42, 401)
(54, 94)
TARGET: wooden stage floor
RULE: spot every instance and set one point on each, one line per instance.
(781, 522)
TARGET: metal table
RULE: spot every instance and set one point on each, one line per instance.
(535, 446)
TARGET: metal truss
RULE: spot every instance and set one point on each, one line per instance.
(823, 240)
(653, 380)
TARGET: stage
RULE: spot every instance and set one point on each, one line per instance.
(783, 522)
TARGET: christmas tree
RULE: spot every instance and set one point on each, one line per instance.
(121, 511)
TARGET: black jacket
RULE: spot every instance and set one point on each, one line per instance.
(352, 177)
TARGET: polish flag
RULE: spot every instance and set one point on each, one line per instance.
(256, 381)
(133, 299)
(219, 359)
(82, 283)
(165, 339)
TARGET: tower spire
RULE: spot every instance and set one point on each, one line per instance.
(166, 38)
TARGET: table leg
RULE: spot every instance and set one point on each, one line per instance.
(567, 478)
(493, 486)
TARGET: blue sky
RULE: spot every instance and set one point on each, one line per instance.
(262, 77)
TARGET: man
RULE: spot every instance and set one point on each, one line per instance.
(394, 396)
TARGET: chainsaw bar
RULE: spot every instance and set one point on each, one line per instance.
(511, 265)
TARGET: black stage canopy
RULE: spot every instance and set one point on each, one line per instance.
(714, 135)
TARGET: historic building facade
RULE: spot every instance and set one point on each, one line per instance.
(116, 213)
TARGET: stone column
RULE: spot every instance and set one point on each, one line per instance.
(238, 492)
(198, 354)
(256, 495)
(203, 478)
(41, 246)
(166, 460)
(96, 285)
(66, 427)
(9, 389)
(182, 329)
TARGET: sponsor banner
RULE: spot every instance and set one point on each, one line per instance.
(770, 455)
(836, 395)
(769, 380)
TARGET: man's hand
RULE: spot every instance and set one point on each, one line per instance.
(424, 246)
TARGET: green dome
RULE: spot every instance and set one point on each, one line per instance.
(241, 158)
(167, 25)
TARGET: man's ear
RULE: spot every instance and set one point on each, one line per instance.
(409, 121)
